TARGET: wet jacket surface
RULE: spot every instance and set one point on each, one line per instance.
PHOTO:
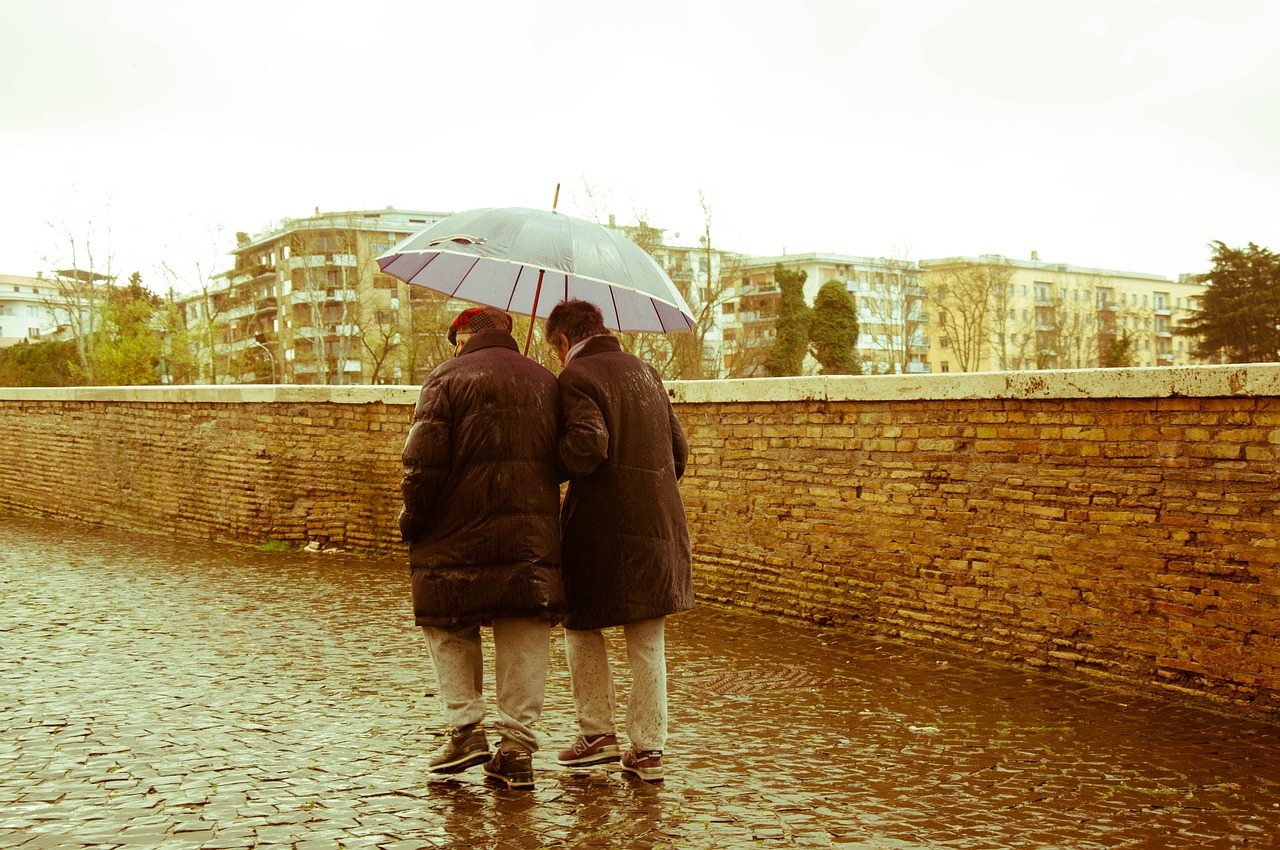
(481, 488)
(626, 543)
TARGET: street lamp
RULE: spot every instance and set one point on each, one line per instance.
(258, 340)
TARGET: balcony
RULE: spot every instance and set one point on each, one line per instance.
(312, 261)
(239, 311)
(251, 273)
(322, 296)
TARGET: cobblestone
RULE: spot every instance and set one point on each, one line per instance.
(180, 693)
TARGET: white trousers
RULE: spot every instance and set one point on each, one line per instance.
(594, 697)
(522, 648)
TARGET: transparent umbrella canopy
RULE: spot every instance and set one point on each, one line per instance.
(526, 261)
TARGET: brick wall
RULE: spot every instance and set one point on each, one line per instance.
(1119, 524)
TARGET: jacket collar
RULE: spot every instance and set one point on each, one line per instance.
(489, 338)
(599, 344)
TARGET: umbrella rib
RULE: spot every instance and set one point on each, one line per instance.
(514, 287)
(464, 277)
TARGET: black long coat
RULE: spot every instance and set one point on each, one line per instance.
(481, 488)
(625, 540)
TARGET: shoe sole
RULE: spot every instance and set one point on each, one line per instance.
(604, 756)
(460, 764)
(648, 774)
(510, 783)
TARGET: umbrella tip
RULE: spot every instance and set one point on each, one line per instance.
(556, 200)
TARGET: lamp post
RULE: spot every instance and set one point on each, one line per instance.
(258, 340)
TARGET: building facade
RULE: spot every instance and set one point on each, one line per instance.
(888, 295)
(306, 303)
(992, 313)
(29, 310)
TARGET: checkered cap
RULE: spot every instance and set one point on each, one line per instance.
(478, 319)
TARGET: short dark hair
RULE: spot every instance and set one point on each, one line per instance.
(576, 319)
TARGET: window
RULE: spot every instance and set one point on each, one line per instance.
(33, 333)
(1160, 300)
(946, 366)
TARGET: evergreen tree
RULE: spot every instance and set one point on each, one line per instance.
(1239, 316)
(834, 333)
(1118, 352)
(791, 342)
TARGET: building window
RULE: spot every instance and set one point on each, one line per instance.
(946, 366)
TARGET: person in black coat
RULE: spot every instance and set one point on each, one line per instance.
(625, 544)
(481, 494)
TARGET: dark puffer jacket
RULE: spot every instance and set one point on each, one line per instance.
(481, 488)
(626, 543)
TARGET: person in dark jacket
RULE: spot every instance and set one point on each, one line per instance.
(481, 502)
(625, 544)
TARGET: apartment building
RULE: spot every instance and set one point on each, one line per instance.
(306, 303)
(889, 297)
(992, 313)
(29, 309)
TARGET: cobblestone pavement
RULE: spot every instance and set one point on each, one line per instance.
(176, 694)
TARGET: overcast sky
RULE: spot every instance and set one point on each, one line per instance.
(1119, 134)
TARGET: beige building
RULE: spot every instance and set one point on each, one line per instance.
(992, 313)
(307, 304)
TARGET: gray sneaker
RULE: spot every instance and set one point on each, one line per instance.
(466, 748)
(514, 767)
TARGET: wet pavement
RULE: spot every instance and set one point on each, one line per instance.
(179, 694)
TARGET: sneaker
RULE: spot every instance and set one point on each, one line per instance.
(514, 767)
(597, 749)
(466, 748)
(646, 764)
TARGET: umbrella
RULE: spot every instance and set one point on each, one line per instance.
(526, 261)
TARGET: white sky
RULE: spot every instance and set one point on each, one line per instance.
(1121, 134)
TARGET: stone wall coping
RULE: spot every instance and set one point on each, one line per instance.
(1252, 379)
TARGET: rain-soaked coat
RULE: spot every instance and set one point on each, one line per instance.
(481, 488)
(626, 544)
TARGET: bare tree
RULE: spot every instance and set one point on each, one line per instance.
(197, 338)
(896, 307)
(325, 280)
(80, 271)
(971, 302)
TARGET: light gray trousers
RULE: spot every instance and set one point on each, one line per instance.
(594, 697)
(522, 648)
